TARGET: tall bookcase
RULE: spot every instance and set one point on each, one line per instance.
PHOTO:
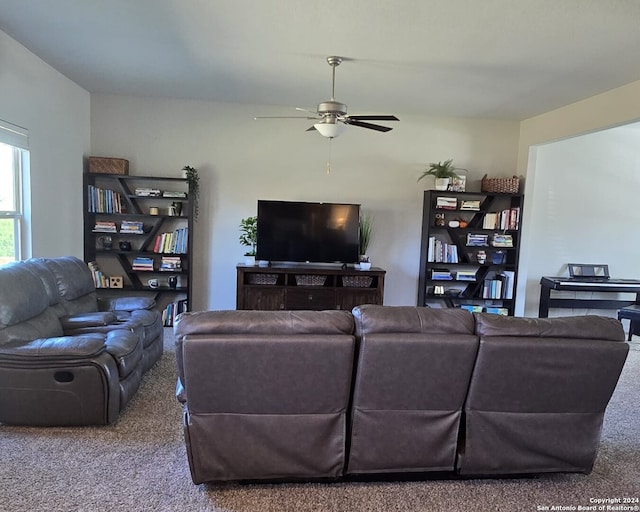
(469, 250)
(138, 237)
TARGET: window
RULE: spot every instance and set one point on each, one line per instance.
(13, 158)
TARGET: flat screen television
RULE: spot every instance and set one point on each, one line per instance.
(293, 231)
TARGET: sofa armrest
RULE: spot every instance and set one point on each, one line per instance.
(62, 348)
(83, 320)
(125, 303)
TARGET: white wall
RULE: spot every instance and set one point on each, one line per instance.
(241, 160)
(571, 213)
(56, 113)
(584, 191)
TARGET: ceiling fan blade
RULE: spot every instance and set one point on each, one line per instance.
(313, 128)
(307, 110)
(283, 117)
(374, 118)
(370, 126)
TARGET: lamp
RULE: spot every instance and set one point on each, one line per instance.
(330, 128)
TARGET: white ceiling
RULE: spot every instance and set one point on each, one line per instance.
(508, 59)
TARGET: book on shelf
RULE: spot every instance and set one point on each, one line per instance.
(471, 205)
(477, 239)
(441, 275)
(466, 275)
(100, 280)
(496, 310)
(441, 252)
(132, 227)
(472, 308)
(142, 263)
(172, 310)
(103, 226)
(502, 240)
(104, 200)
(173, 242)
(171, 264)
(148, 192)
(446, 203)
(508, 219)
(174, 194)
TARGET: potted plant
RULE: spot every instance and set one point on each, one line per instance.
(366, 232)
(249, 238)
(442, 172)
(193, 179)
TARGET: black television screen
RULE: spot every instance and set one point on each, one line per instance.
(308, 232)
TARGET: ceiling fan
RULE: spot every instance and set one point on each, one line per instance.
(332, 115)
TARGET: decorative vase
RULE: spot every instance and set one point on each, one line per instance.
(249, 260)
(442, 183)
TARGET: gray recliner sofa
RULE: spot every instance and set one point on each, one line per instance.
(432, 390)
(62, 360)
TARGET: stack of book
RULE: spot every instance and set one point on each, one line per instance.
(142, 264)
(446, 203)
(169, 193)
(470, 205)
(148, 192)
(466, 275)
(171, 264)
(477, 240)
(103, 226)
(441, 275)
(131, 227)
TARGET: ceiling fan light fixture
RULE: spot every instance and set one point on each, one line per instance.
(330, 130)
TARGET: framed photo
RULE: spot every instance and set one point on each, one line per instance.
(457, 184)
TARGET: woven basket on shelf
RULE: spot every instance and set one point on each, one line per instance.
(310, 280)
(501, 185)
(357, 281)
(262, 278)
(101, 165)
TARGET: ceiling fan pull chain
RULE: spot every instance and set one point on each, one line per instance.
(329, 158)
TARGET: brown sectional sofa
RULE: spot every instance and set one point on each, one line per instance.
(67, 358)
(392, 391)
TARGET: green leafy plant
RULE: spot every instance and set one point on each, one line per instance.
(194, 188)
(444, 169)
(366, 232)
(249, 234)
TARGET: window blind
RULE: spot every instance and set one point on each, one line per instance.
(14, 135)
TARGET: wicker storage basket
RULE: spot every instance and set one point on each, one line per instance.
(310, 280)
(262, 278)
(357, 281)
(501, 185)
(99, 165)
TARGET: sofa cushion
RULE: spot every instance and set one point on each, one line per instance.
(264, 322)
(126, 349)
(24, 306)
(75, 284)
(580, 327)
(371, 318)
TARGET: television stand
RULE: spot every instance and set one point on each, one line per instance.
(311, 287)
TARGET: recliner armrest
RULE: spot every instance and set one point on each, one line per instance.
(125, 303)
(83, 320)
(58, 348)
